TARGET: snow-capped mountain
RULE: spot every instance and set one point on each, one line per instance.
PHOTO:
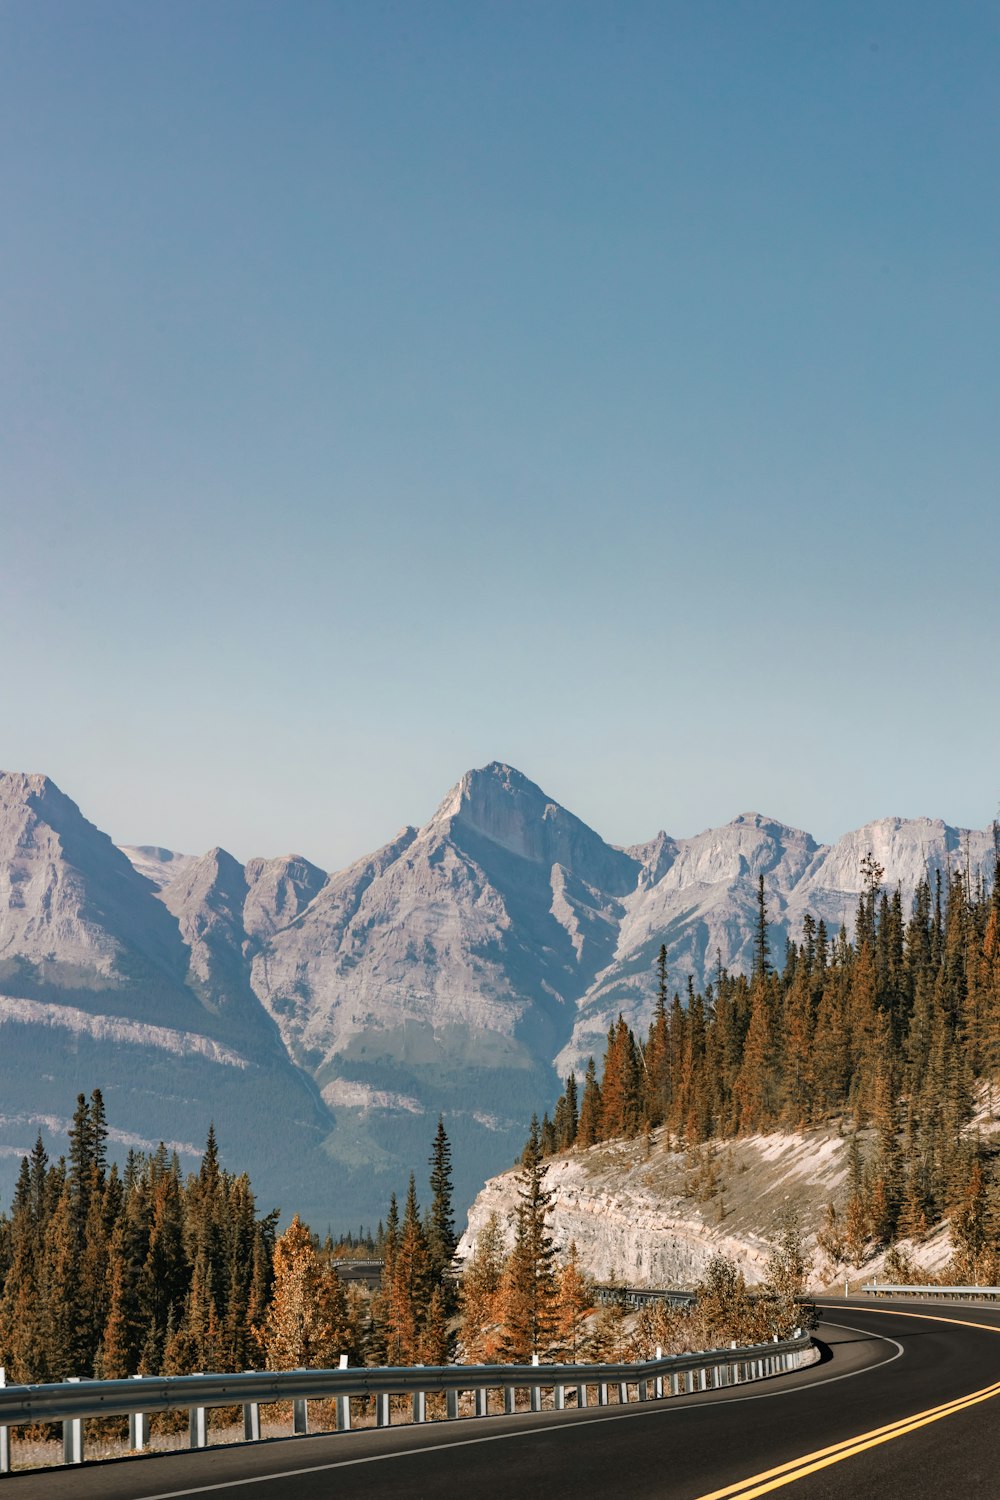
(323, 1020)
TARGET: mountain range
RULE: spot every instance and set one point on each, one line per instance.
(322, 1020)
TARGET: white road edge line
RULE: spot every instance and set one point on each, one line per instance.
(499, 1437)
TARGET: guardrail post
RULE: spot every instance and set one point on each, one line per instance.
(482, 1401)
(138, 1427)
(509, 1400)
(300, 1417)
(675, 1383)
(198, 1424)
(581, 1396)
(643, 1390)
(623, 1393)
(602, 1393)
(73, 1434)
(343, 1404)
(703, 1377)
(419, 1402)
(659, 1379)
(4, 1434)
(451, 1404)
(536, 1390)
(381, 1408)
(251, 1422)
(558, 1398)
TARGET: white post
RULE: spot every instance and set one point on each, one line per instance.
(659, 1378)
(4, 1434)
(509, 1400)
(382, 1409)
(343, 1405)
(138, 1427)
(197, 1426)
(73, 1434)
(482, 1401)
(451, 1404)
(536, 1390)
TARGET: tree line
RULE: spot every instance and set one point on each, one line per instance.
(148, 1271)
(894, 1031)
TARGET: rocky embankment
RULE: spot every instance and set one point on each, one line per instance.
(644, 1214)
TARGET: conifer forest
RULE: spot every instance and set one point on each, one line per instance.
(895, 1033)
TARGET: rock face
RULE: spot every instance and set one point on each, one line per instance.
(447, 972)
(656, 1219)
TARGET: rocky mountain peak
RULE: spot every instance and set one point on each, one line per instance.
(498, 803)
(278, 890)
(71, 902)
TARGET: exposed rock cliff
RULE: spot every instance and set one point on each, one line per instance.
(657, 1219)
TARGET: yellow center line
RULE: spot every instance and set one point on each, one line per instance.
(822, 1458)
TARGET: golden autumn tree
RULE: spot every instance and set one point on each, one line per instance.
(574, 1305)
(307, 1322)
(480, 1332)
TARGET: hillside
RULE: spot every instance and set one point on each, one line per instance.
(652, 1216)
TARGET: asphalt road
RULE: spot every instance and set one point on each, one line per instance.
(824, 1433)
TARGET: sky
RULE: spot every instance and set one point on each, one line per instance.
(606, 388)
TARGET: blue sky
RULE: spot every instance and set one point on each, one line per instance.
(390, 387)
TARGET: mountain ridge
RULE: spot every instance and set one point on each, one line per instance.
(453, 970)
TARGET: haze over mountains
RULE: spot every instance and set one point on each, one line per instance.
(323, 1020)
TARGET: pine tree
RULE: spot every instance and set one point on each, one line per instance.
(529, 1287)
(566, 1118)
(656, 1058)
(574, 1306)
(589, 1127)
(481, 1282)
(441, 1238)
(307, 1323)
(434, 1334)
(762, 946)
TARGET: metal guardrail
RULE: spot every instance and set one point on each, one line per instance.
(73, 1402)
(643, 1296)
(961, 1293)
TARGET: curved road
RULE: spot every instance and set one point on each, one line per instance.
(905, 1403)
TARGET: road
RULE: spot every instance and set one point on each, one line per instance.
(884, 1364)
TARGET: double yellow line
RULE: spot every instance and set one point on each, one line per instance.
(822, 1458)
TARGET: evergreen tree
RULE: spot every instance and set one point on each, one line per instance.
(589, 1127)
(762, 946)
(481, 1313)
(529, 1288)
(441, 1238)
